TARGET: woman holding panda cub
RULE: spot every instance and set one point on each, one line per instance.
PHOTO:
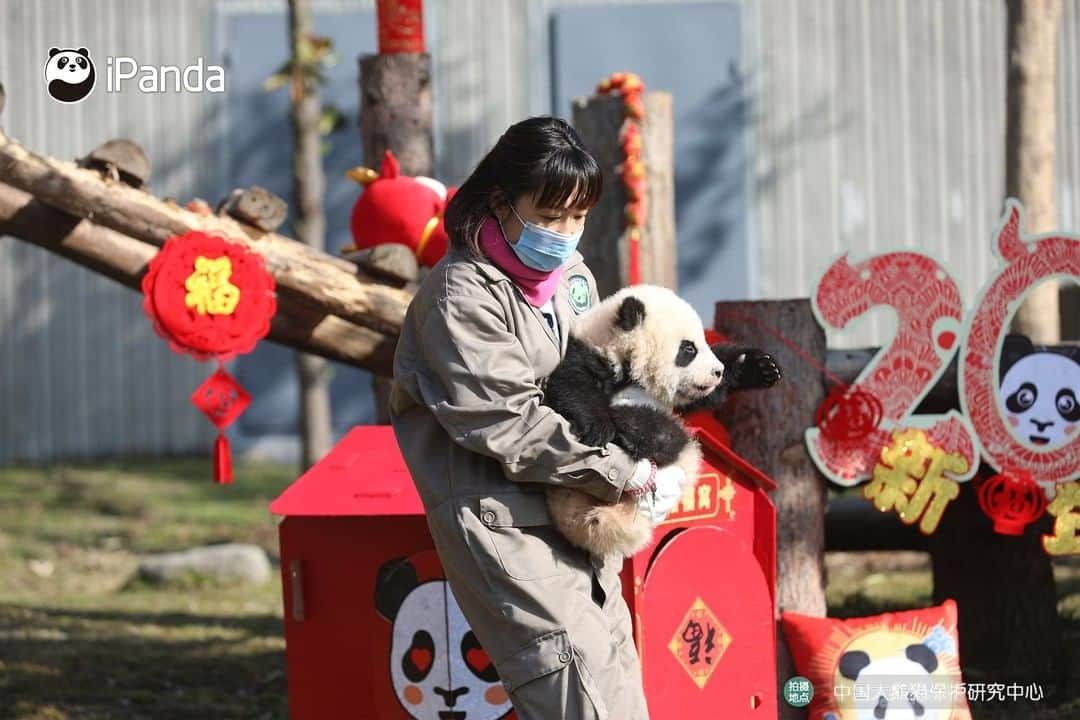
(485, 327)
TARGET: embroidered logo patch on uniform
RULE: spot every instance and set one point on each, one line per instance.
(580, 297)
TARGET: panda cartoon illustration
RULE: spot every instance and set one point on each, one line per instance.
(1038, 393)
(880, 675)
(438, 669)
(631, 361)
(69, 74)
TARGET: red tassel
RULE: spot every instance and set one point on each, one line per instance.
(222, 461)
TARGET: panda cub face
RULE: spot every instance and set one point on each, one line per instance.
(1038, 394)
(69, 74)
(654, 339)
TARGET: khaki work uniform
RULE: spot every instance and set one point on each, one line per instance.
(467, 414)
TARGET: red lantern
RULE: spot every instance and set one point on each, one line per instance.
(1013, 500)
(211, 299)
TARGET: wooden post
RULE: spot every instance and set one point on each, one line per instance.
(395, 114)
(395, 110)
(598, 120)
(767, 429)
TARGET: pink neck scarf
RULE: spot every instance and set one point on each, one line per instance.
(536, 285)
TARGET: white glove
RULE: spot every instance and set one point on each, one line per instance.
(657, 491)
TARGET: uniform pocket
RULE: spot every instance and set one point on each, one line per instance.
(547, 679)
(527, 545)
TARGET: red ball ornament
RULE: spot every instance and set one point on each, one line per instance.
(1013, 500)
(211, 299)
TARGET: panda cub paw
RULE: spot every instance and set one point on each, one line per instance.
(755, 369)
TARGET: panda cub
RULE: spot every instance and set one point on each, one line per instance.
(630, 363)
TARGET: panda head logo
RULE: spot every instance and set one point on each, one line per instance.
(69, 74)
(1038, 393)
(438, 669)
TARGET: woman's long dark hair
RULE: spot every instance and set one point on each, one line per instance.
(541, 156)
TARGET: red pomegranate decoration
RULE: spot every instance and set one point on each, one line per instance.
(396, 208)
(1013, 500)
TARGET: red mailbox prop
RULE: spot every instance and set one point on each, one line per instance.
(372, 629)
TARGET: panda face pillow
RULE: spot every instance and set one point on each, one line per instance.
(1039, 394)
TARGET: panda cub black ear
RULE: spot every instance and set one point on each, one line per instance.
(84, 52)
(854, 662)
(1013, 348)
(923, 655)
(631, 314)
(53, 51)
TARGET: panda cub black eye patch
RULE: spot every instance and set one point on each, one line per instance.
(687, 353)
(1024, 397)
(1067, 406)
(419, 658)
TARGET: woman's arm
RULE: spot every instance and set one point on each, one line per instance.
(481, 387)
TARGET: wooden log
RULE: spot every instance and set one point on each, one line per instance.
(124, 259)
(605, 244)
(330, 284)
(767, 429)
(395, 99)
(395, 115)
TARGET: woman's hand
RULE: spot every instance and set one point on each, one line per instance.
(657, 491)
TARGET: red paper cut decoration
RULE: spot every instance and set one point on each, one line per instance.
(401, 26)
(1013, 500)
(211, 299)
(848, 415)
(632, 170)
(929, 312)
(1027, 262)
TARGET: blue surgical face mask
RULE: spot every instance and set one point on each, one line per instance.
(541, 248)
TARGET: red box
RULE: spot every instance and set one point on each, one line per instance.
(362, 583)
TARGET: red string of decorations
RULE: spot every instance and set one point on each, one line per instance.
(632, 169)
(211, 299)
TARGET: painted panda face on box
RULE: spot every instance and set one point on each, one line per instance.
(657, 341)
(438, 668)
(1039, 395)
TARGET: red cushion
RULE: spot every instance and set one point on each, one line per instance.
(900, 647)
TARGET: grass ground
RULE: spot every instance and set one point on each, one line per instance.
(80, 639)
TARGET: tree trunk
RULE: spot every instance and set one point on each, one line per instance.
(395, 115)
(1008, 606)
(1004, 589)
(767, 429)
(1030, 127)
(605, 244)
(316, 433)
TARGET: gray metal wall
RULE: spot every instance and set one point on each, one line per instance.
(876, 124)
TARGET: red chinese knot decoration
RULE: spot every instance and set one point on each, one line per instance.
(401, 26)
(848, 415)
(632, 170)
(1013, 500)
(211, 299)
